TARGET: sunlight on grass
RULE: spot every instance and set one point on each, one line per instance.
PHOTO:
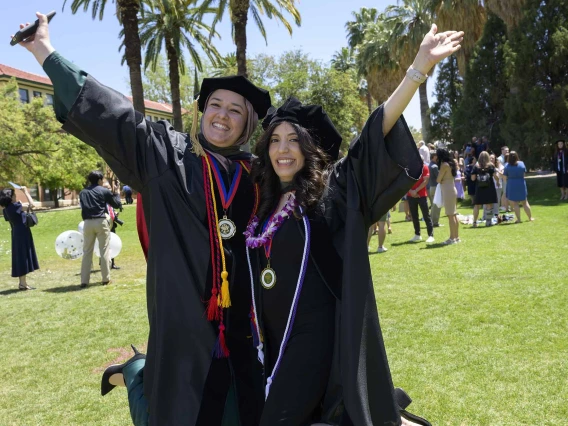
(476, 333)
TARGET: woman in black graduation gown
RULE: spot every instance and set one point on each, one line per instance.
(197, 202)
(316, 321)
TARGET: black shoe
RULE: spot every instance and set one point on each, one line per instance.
(84, 285)
(26, 287)
(403, 400)
(113, 376)
(114, 266)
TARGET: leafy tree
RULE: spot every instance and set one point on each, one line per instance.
(448, 94)
(292, 76)
(343, 60)
(537, 104)
(34, 149)
(239, 11)
(176, 25)
(486, 86)
(337, 92)
(127, 14)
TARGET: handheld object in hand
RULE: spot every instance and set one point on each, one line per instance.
(29, 30)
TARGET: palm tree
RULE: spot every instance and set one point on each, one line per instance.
(463, 15)
(409, 23)
(510, 11)
(343, 60)
(127, 13)
(356, 29)
(176, 24)
(376, 61)
(227, 66)
(239, 10)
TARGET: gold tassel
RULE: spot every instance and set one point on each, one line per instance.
(225, 296)
(196, 147)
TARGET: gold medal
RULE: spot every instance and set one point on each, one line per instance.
(268, 277)
(227, 228)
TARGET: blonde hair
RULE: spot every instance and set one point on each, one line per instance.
(484, 161)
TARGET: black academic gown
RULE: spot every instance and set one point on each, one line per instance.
(363, 186)
(180, 377)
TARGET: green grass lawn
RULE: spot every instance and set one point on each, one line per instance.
(476, 333)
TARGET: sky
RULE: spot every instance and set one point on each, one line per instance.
(93, 44)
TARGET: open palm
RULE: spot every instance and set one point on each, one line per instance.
(436, 47)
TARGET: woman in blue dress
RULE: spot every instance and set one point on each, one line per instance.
(517, 186)
(24, 259)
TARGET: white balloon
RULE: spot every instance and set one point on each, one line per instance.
(81, 226)
(69, 245)
(114, 246)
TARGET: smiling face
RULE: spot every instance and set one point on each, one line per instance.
(560, 144)
(225, 118)
(285, 153)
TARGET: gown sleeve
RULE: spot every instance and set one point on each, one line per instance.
(135, 149)
(377, 171)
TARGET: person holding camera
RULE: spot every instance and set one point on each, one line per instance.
(94, 199)
(24, 258)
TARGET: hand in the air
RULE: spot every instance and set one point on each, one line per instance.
(436, 47)
(39, 44)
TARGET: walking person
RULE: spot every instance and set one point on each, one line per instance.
(418, 197)
(381, 227)
(483, 174)
(517, 186)
(94, 199)
(446, 181)
(432, 184)
(114, 220)
(24, 258)
(560, 162)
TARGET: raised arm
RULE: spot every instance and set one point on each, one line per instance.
(135, 149)
(434, 48)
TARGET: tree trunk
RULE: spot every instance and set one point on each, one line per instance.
(239, 13)
(129, 17)
(369, 102)
(424, 113)
(173, 64)
(53, 196)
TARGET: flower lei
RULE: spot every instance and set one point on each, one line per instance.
(277, 220)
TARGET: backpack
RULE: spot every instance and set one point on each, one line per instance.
(483, 178)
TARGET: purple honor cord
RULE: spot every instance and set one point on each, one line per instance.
(292, 315)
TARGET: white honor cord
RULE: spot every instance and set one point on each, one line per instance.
(260, 346)
(294, 304)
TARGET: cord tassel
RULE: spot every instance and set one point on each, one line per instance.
(212, 307)
(221, 350)
(225, 296)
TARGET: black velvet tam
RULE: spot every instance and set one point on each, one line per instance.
(313, 118)
(259, 98)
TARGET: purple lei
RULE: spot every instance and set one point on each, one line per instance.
(277, 220)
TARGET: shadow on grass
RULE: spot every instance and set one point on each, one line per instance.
(9, 292)
(404, 243)
(66, 289)
(92, 272)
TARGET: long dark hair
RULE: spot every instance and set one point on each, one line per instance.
(309, 182)
(444, 156)
(6, 197)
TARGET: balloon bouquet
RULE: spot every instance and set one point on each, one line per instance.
(69, 244)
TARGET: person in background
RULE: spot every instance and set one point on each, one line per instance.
(127, 194)
(485, 193)
(468, 182)
(432, 184)
(94, 199)
(499, 169)
(424, 152)
(458, 181)
(517, 186)
(560, 161)
(504, 153)
(24, 258)
(114, 220)
(382, 233)
(485, 144)
(446, 178)
(418, 197)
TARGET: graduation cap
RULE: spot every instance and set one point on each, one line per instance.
(311, 117)
(259, 98)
